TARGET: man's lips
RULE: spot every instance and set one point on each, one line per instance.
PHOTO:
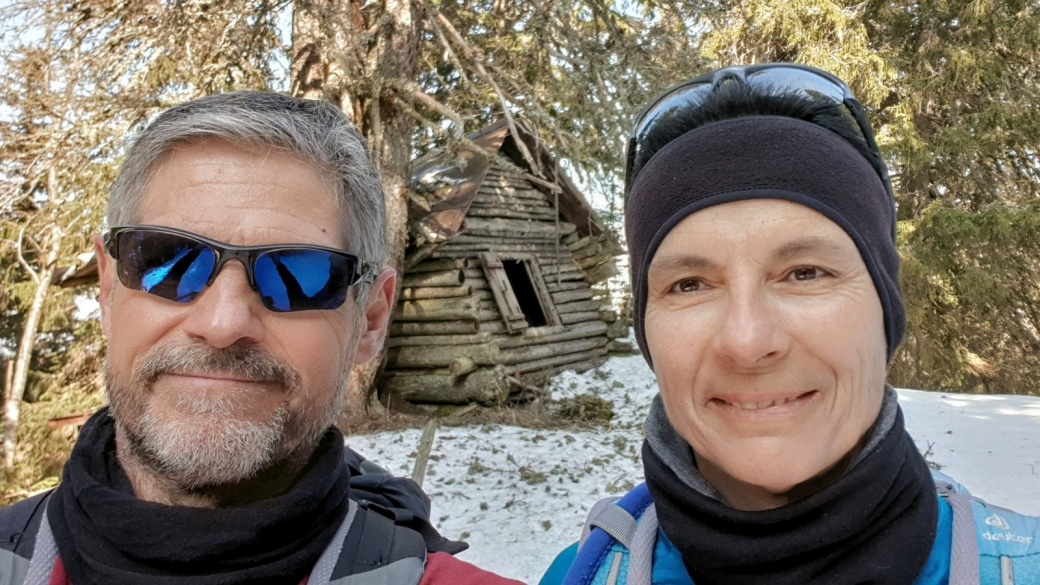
(217, 377)
(755, 402)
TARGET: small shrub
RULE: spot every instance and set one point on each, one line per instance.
(586, 408)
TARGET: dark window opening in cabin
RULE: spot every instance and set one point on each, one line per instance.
(525, 292)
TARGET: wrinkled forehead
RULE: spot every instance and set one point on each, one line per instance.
(757, 230)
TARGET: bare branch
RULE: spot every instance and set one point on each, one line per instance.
(483, 74)
(426, 123)
(427, 100)
(21, 258)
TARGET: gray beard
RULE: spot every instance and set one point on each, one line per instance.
(206, 445)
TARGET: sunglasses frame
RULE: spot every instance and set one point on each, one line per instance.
(247, 255)
(741, 73)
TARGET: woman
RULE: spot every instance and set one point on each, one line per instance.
(761, 231)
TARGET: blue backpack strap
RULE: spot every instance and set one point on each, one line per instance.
(600, 540)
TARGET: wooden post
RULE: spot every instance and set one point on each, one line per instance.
(423, 455)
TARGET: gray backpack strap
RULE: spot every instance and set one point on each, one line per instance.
(12, 568)
(44, 555)
(322, 572)
(641, 553)
(594, 513)
(615, 522)
(378, 550)
(391, 540)
(638, 537)
(964, 550)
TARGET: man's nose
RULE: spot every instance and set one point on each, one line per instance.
(228, 311)
(751, 334)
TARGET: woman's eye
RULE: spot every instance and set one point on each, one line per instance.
(688, 285)
(806, 273)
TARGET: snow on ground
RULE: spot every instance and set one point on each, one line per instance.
(519, 495)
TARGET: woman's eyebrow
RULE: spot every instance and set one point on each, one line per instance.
(809, 245)
(681, 262)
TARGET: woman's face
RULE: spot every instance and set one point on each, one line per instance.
(767, 338)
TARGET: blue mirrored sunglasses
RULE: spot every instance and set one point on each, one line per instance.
(178, 266)
(771, 78)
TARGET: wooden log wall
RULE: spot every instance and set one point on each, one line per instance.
(448, 342)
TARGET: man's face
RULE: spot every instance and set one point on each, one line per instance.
(767, 339)
(213, 391)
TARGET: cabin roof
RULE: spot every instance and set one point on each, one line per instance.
(444, 184)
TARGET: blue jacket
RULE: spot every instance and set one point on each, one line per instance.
(999, 540)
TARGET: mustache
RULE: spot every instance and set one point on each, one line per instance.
(247, 362)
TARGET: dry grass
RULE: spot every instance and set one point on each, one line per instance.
(536, 414)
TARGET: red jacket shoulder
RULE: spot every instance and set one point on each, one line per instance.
(444, 569)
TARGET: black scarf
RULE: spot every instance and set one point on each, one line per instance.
(106, 536)
(876, 525)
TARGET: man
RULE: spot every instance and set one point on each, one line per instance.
(240, 281)
(765, 276)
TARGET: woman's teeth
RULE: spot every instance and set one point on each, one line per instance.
(761, 405)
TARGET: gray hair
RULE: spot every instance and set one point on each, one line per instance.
(316, 131)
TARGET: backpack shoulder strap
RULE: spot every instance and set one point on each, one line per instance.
(991, 545)
(20, 522)
(964, 547)
(618, 542)
(376, 549)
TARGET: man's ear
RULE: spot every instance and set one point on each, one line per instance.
(106, 278)
(376, 318)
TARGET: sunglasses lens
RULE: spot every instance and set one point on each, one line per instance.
(166, 265)
(301, 280)
(786, 80)
(682, 100)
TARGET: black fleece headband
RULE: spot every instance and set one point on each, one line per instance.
(765, 157)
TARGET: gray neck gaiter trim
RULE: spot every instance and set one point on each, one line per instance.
(676, 453)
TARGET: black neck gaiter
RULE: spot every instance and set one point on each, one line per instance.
(106, 536)
(876, 525)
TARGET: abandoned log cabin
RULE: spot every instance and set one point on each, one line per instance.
(503, 280)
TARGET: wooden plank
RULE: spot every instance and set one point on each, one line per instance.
(563, 286)
(438, 266)
(492, 199)
(425, 340)
(548, 242)
(516, 228)
(589, 329)
(434, 292)
(434, 356)
(530, 353)
(559, 360)
(572, 318)
(483, 386)
(505, 298)
(578, 294)
(446, 278)
(509, 213)
(444, 328)
(510, 191)
(580, 306)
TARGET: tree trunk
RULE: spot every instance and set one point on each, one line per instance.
(12, 405)
(377, 43)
